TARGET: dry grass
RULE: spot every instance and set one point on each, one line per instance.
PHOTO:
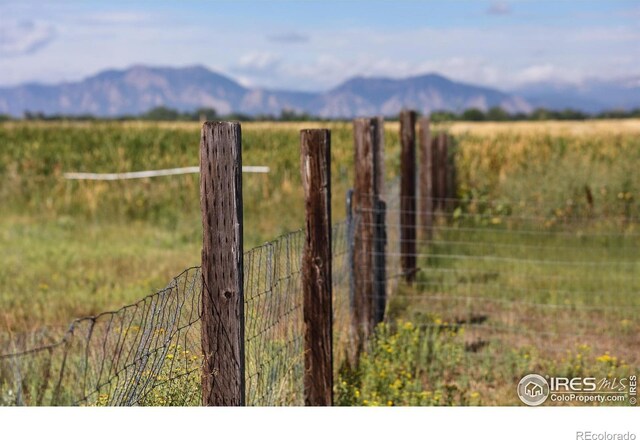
(555, 128)
(72, 249)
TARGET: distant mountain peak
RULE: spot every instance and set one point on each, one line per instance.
(140, 87)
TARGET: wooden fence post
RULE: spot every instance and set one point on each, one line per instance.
(315, 155)
(451, 175)
(435, 182)
(379, 262)
(368, 242)
(378, 160)
(351, 232)
(426, 172)
(223, 382)
(441, 172)
(408, 194)
(380, 233)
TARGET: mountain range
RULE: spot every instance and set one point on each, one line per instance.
(139, 88)
(590, 96)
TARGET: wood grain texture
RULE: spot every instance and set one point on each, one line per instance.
(408, 211)
(441, 171)
(380, 240)
(451, 195)
(315, 164)
(380, 262)
(364, 132)
(222, 265)
(425, 172)
(378, 159)
(435, 182)
(365, 200)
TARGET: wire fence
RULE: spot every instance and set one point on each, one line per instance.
(149, 353)
(527, 277)
(501, 275)
(274, 330)
(511, 280)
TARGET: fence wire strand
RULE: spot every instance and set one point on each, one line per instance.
(519, 277)
(147, 353)
(510, 280)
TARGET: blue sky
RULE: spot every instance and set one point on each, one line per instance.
(316, 45)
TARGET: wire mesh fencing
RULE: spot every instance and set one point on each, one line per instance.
(502, 277)
(274, 330)
(147, 353)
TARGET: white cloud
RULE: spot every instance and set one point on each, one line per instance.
(552, 73)
(258, 69)
(502, 55)
(24, 37)
(473, 69)
(257, 63)
(541, 72)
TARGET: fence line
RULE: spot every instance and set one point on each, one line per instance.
(115, 358)
(158, 339)
(402, 252)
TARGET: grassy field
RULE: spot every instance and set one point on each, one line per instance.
(536, 271)
(75, 248)
(494, 303)
(78, 248)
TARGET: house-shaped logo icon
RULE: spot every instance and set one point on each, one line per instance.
(533, 390)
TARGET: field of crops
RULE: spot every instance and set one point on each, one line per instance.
(72, 248)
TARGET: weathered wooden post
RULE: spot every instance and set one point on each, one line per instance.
(451, 195)
(408, 211)
(223, 382)
(435, 182)
(441, 172)
(315, 161)
(379, 158)
(426, 172)
(380, 243)
(369, 238)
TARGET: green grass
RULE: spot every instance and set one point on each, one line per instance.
(407, 364)
(57, 270)
(71, 249)
(493, 303)
(74, 248)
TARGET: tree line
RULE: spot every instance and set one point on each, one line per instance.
(201, 114)
(539, 114)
